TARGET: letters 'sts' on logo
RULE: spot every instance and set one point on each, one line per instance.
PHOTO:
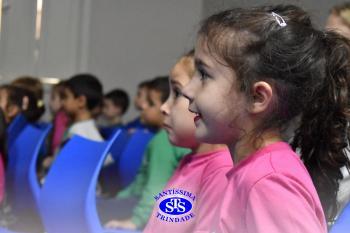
(175, 205)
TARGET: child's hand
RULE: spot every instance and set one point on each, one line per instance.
(47, 162)
(125, 224)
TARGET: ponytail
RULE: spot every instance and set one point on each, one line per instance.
(323, 134)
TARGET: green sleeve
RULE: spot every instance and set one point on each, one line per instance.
(162, 161)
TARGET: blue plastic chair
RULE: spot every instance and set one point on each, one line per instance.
(14, 129)
(342, 224)
(130, 160)
(22, 183)
(119, 145)
(109, 174)
(108, 132)
(68, 198)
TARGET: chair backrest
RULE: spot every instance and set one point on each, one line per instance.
(130, 160)
(119, 145)
(108, 132)
(342, 224)
(68, 197)
(22, 185)
(14, 129)
(109, 174)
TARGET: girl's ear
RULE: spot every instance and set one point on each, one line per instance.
(262, 97)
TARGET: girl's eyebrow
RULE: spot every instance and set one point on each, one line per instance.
(200, 63)
(175, 83)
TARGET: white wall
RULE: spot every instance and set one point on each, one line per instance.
(134, 40)
(61, 38)
(318, 9)
(121, 41)
(17, 39)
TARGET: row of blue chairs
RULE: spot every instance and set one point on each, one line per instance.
(67, 200)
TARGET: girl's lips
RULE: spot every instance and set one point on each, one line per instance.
(165, 126)
(197, 117)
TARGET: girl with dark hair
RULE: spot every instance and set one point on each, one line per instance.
(35, 86)
(258, 70)
(15, 100)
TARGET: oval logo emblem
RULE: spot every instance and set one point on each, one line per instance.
(175, 206)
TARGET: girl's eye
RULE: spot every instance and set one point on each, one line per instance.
(203, 74)
(177, 93)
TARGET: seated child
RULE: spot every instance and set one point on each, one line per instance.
(15, 100)
(201, 173)
(159, 163)
(115, 104)
(35, 86)
(82, 93)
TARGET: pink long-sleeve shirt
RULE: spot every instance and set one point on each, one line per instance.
(202, 175)
(60, 125)
(271, 192)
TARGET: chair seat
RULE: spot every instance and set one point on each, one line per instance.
(68, 198)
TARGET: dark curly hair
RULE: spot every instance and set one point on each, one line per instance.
(308, 69)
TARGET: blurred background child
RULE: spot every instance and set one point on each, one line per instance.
(115, 105)
(33, 85)
(15, 100)
(82, 94)
(133, 205)
(140, 101)
(60, 118)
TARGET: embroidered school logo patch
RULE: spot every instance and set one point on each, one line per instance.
(175, 205)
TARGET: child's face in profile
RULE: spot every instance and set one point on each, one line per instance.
(55, 102)
(151, 114)
(178, 120)
(215, 98)
(70, 102)
(110, 110)
(141, 98)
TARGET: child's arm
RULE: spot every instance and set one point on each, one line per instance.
(160, 168)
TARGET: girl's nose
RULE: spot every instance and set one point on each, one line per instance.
(188, 91)
(165, 108)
